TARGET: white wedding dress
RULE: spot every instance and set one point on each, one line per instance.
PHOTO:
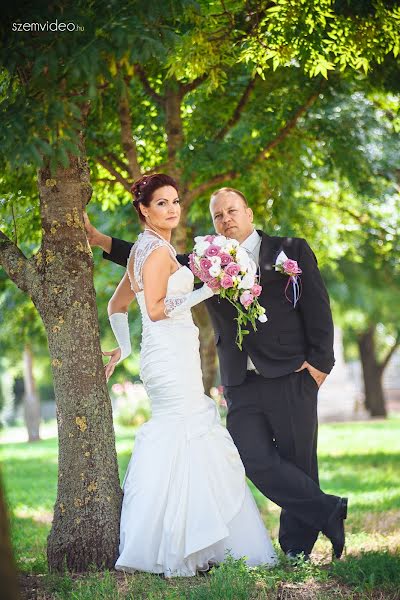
(186, 501)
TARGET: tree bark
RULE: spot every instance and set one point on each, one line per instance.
(59, 278)
(372, 374)
(31, 399)
(8, 575)
(173, 125)
(128, 143)
(85, 528)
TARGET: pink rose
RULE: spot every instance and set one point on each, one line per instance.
(195, 270)
(246, 299)
(227, 281)
(214, 284)
(232, 269)
(205, 276)
(212, 250)
(291, 267)
(205, 264)
(225, 258)
(256, 290)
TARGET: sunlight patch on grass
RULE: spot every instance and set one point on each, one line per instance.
(38, 515)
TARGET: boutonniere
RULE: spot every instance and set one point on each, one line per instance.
(289, 267)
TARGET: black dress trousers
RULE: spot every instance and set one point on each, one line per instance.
(273, 423)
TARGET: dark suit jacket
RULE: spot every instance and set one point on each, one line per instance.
(290, 336)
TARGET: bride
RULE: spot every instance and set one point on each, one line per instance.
(186, 501)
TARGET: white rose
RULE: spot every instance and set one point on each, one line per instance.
(242, 258)
(201, 246)
(247, 282)
(220, 241)
(215, 270)
(231, 244)
(263, 318)
(215, 260)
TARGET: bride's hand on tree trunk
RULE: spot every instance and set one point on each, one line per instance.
(110, 366)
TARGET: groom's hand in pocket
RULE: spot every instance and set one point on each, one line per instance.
(318, 376)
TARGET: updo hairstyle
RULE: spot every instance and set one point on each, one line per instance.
(143, 189)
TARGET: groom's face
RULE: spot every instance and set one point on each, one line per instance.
(231, 216)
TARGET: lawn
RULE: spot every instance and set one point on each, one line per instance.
(360, 460)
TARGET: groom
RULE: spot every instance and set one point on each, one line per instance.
(271, 386)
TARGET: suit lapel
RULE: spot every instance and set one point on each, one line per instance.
(269, 251)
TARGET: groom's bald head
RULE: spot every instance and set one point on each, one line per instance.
(230, 191)
(231, 214)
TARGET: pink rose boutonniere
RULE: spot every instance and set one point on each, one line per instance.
(289, 267)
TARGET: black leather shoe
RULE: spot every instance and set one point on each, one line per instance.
(297, 556)
(334, 529)
(207, 571)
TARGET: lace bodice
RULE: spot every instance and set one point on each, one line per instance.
(180, 283)
(146, 243)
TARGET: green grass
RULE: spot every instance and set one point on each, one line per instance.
(360, 460)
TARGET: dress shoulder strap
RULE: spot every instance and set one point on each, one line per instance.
(146, 243)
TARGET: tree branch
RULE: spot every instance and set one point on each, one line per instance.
(110, 156)
(147, 87)
(106, 180)
(192, 85)
(128, 144)
(386, 360)
(211, 183)
(118, 177)
(15, 264)
(360, 218)
(291, 124)
(237, 112)
(281, 135)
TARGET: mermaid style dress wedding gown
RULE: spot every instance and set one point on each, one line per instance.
(186, 501)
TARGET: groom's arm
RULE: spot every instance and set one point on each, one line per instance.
(119, 252)
(183, 259)
(316, 312)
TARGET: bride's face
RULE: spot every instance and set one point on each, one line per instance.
(164, 210)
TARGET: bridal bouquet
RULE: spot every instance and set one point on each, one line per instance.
(229, 271)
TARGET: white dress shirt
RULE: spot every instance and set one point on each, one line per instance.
(252, 245)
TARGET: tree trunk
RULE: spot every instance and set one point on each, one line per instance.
(85, 529)
(31, 399)
(8, 576)
(372, 373)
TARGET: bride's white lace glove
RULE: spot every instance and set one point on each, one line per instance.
(120, 326)
(175, 306)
